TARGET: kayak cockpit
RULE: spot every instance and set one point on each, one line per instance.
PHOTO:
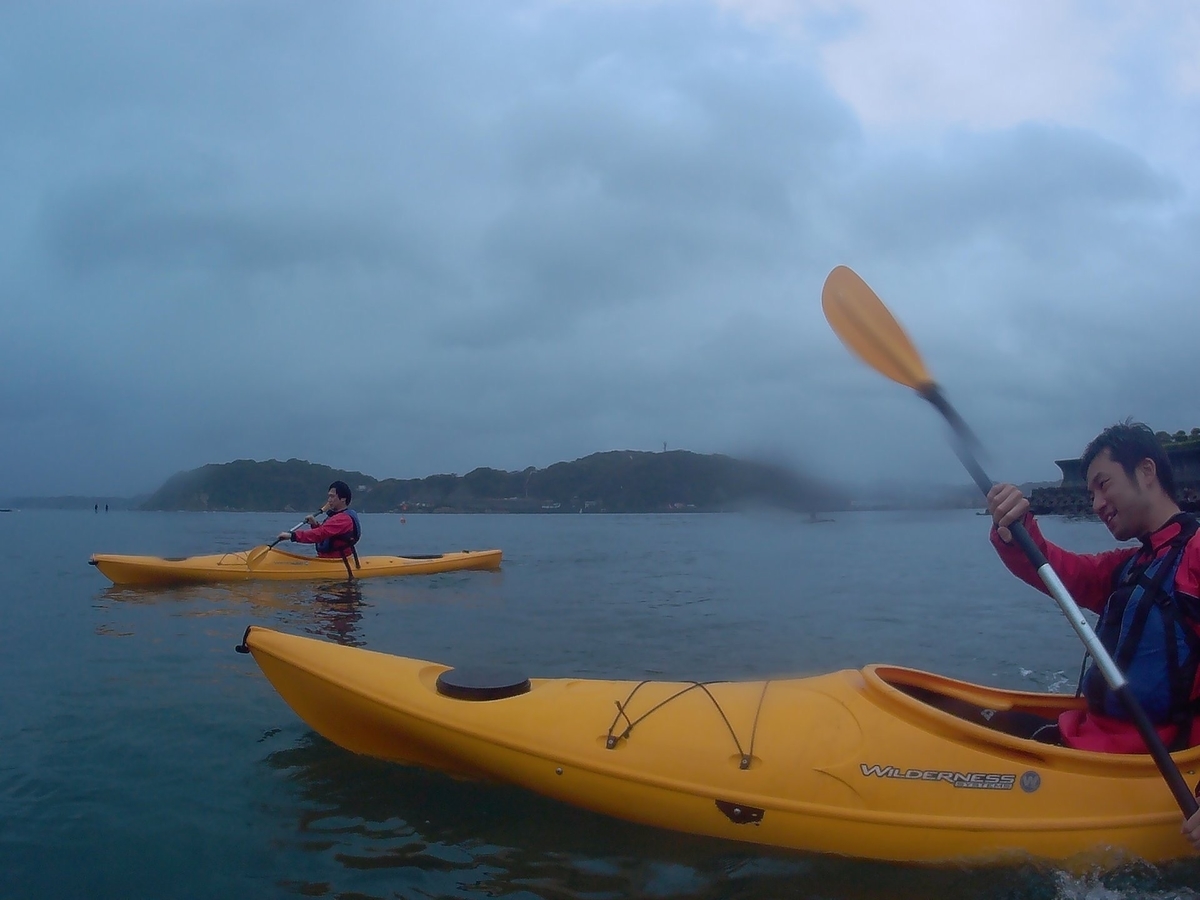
(1021, 714)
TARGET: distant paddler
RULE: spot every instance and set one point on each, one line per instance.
(336, 536)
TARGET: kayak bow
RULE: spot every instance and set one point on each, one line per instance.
(883, 763)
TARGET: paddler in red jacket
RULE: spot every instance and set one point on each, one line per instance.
(1147, 596)
(336, 537)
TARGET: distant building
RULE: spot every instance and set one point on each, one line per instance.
(1071, 498)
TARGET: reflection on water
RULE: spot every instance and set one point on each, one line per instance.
(385, 830)
(396, 830)
(337, 609)
(331, 611)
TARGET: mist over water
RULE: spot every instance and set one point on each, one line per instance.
(143, 757)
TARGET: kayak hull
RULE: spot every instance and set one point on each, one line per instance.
(280, 565)
(849, 763)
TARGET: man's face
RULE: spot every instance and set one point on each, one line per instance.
(1121, 502)
(333, 502)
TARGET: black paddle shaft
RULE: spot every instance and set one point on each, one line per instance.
(963, 443)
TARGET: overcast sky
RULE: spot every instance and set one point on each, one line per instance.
(419, 237)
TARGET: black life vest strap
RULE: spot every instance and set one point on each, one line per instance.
(355, 535)
(349, 550)
(1152, 588)
(1182, 674)
(1176, 619)
(1180, 616)
(346, 559)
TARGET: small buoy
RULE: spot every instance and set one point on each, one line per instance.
(403, 521)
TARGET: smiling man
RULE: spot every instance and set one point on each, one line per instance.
(1146, 596)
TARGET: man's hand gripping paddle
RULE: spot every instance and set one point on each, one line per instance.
(259, 553)
(866, 327)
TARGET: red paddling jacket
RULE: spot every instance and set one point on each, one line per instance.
(335, 537)
(1147, 598)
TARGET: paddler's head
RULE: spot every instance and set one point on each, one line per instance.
(1130, 480)
(338, 497)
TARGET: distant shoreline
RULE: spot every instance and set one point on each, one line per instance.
(617, 481)
(823, 517)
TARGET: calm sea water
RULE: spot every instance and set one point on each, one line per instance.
(141, 757)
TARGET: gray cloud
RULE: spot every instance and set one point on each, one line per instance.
(1041, 190)
(427, 237)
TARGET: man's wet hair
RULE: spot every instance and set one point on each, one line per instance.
(341, 489)
(1128, 443)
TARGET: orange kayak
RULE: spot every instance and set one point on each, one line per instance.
(882, 763)
(280, 565)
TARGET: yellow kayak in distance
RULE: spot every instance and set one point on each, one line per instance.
(280, 565)
(882, 763)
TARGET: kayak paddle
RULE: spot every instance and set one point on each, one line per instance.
(255, 556)
(868, 329)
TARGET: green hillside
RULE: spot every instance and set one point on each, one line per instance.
(250, 486)
(617, 481)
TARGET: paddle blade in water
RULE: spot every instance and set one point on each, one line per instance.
(859, 318)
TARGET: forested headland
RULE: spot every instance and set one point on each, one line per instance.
(615, 481)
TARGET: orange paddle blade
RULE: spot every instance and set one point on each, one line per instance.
(859, 318)
(255, 556)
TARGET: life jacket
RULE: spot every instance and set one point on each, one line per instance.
(1152, 637)
(342, 545)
